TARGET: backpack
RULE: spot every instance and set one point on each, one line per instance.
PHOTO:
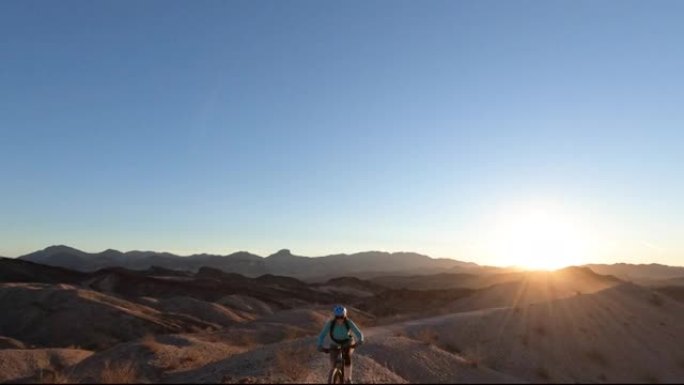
(332, 327)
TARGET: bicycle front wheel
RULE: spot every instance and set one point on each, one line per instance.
(335, 377)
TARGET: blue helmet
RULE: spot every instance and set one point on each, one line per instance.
(340, 311)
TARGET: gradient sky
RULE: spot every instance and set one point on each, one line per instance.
(325, 127)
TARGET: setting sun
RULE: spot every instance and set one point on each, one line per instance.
(539, 237)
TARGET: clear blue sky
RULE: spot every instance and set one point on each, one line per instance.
(324, 127)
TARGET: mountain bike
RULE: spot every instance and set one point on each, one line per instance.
(336, 375)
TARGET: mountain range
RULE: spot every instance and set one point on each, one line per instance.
(366, 264)
(281, 263)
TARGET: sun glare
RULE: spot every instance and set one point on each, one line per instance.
(539, 238)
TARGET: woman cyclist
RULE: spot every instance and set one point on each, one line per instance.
(340, 330)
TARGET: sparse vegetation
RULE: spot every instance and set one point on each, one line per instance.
(242, 380)
(118, 373)
(245, 339)
(451, 348)
(374, 378)
(54, 377)
(62, 378)
(293, 362)
(188, 357)
(213, 337)
(55, 374)
(150, 342)
(293, 333)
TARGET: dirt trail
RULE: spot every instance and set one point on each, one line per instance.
(384, 330)
(387, 357)
(423, 362)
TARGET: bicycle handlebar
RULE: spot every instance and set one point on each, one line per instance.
(351, 346)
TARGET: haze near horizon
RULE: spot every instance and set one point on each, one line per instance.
(539, 134)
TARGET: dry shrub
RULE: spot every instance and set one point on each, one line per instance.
(150, 342)
(427, 336)
(190, 356)
(54, 377)
(451, 348)
(214, 337)
(293, 334)
(245, 340)
(241, 380)
(376, 377)
(62, 378)
(118, 373)
(293, 361)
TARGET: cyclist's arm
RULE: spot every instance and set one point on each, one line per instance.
(357, 332)
(324, 332)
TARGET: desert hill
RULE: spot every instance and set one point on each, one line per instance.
(40, 365)
(63, 315)
(641, 274)
(169, 326)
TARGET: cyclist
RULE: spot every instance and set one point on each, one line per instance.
(340, 329)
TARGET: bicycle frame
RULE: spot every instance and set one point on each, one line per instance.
(336, 375)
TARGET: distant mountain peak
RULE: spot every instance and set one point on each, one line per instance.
(111, 252)
(281, 253)
(61, 248)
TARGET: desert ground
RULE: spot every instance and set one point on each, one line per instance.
(158, 325)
